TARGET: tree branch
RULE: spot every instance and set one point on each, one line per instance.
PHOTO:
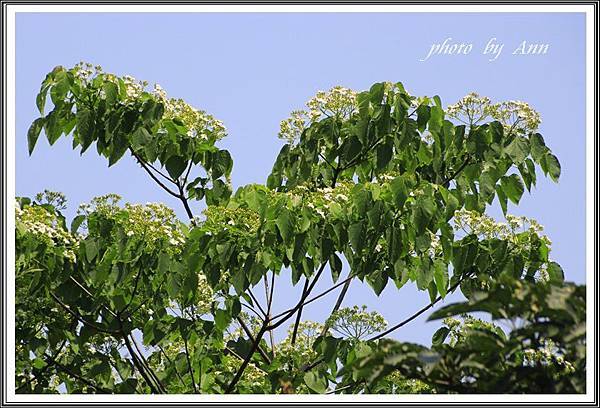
(299, 313)
(160, 183)
(81, 318)
(301, 301)
(418, 313)
(248, 332)
(246, 361)
(68, 371)
(191, 370)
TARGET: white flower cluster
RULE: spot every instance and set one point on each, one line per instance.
(459, 330)
(43, 225)
(86, 72)
(472, 107)
(515, 116)
(324, 202)
(199, 123)
(485, 226)
(356, 323)
(308, 331)
(153, 222)
(338, 102)
(547, 355)
(204, 295)
(519, 231)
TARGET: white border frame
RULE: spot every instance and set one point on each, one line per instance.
(11, 11)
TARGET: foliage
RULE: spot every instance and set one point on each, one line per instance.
(130, 299)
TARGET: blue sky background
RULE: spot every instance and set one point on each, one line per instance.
(251, 70)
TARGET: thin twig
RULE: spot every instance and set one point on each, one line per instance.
(191, 370)
(301, 301)
(299, 314)
(248, 332)
(417, 313)
(81, 318)
(149, 171)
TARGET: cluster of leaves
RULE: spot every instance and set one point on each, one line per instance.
(120, 115)
(379, 180)
(544, 351)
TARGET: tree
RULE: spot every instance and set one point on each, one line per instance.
(391, 187)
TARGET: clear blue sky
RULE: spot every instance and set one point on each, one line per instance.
(251, 70)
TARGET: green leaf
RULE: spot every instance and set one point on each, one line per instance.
(400, 191)
(384, 155)
(140, 138)
(85, 128)
(316, 382)
(555, 273)
(335, 264)
(111, 92)
(440, 276)
(553, 166)
(378, 281)
(222, 319)
(176, 166)
(502, 199)
(76, 223)
(355, 234)
(285, 225)
(518, 149)
(91, 249)
(34, 133)
(222, 164)
(440, 336)
(512, 187)
(537, 146)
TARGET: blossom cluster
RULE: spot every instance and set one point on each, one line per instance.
(485, 226)
(154, 223)
(338, 102)
(323, 202)
(239, 221)
(403, 385)
(44, 226)
(199, 123)
(459, 330)
(518, 231)
(356, 323)
(302, 349)
(547, 355)
(516, 116)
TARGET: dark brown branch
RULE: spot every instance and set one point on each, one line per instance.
(269, 297)
(184, 201)
(191, 370)
(299, 314)
(87, 292)
(81, 318)
(446, 182)
(246, 361)
(257, 303)
(147, 366)
(149, 171)
(338, 304)
(248, 332)
(301, 301)
(138, 364)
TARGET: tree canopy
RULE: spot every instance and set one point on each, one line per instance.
(377, 186)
